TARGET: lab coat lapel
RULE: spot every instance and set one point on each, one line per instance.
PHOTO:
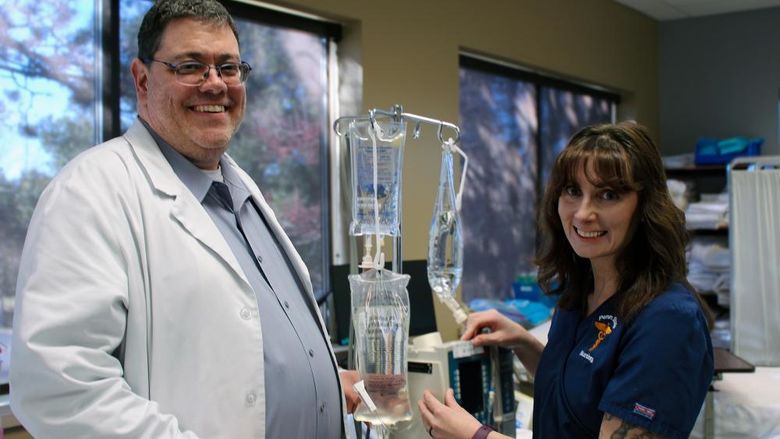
(185, 207)
(191, 215)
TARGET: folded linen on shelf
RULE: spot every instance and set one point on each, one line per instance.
(709, 267)
(711, 212)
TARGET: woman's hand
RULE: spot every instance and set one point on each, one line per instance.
(503, 332)
(448, 420)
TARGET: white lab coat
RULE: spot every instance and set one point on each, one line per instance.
(133, 318)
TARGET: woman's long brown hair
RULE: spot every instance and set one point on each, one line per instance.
(623, 158)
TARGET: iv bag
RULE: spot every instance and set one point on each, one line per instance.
(380, 315)
(445, 238)
(376, 190)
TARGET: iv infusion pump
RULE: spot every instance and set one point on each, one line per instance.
(481, 380)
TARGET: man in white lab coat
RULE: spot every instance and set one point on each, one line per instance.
(158, 297)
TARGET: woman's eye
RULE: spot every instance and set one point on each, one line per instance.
(610, 195)
(571, 191)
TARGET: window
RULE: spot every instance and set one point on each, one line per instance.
(60, 97)
(499, 133)
(48, 113)
(282, 143)
(564, 111)
(513, 125)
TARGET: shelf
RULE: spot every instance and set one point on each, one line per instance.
(702, 179)
(720, 231)
(701, 170)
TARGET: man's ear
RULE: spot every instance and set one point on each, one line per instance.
(140, 73)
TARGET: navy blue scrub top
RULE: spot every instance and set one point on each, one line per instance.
(652, 372)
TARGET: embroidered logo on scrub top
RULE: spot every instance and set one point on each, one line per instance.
(641, 410)
(605, 324)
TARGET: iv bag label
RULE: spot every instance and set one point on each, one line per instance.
(386, 193)
(383, 339)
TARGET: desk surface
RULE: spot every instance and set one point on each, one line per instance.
(725, 361)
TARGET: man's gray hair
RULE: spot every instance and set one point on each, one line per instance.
(164, 11)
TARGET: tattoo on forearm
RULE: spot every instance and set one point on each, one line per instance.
(628, 431)
(622, 431)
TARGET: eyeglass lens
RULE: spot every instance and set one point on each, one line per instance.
(195, 73)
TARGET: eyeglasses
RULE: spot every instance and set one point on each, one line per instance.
(195, 72)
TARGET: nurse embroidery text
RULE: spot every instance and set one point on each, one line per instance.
(586, 356)
(611, 318)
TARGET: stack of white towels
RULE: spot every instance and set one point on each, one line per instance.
(711, 212)
(709, 268)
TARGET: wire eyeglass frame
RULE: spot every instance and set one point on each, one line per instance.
(195, 73)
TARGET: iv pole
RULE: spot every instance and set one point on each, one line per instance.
(397, 113)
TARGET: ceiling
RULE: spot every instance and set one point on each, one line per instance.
(662, 10)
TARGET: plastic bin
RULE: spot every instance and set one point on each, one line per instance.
(721, 152)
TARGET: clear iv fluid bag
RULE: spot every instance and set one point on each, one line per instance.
(380, 313)
(389, 140)
(445, 239)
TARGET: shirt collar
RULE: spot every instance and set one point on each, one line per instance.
(193, 177)
(238, 191)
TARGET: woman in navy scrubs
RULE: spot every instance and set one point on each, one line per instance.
(629, 352)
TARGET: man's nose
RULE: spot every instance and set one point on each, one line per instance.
(213, 80)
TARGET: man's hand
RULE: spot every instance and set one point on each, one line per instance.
(348, 378)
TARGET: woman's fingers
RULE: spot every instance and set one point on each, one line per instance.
(425, 413)
(491, 338)
(449, 399)
(475, 323)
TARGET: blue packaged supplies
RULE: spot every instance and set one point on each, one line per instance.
(525, 287)
(524, 312)
(722, 151)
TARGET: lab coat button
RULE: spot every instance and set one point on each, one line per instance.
(311, 352)
(259, 259)
(322, 407)
(287, 304)
(245, 314)
(251, 398)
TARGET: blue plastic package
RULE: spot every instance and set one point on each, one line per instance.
(723, 151)
(524, 312)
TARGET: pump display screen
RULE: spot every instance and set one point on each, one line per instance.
(471, 392)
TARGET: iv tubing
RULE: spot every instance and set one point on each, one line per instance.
(455, 308)
(378, 260)
(453, 147)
